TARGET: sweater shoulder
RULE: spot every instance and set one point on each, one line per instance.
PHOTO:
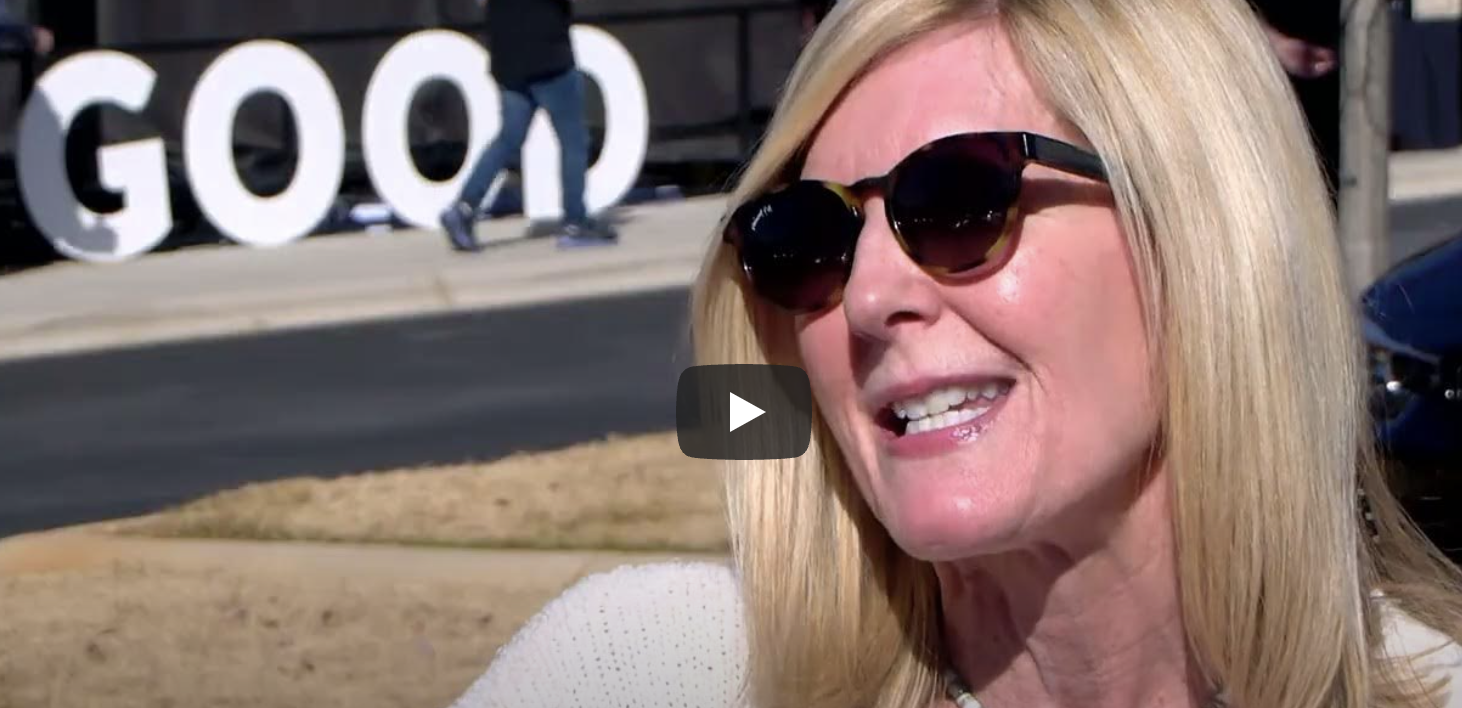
(658, 635)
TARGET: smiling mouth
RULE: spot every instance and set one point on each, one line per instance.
(943, 408)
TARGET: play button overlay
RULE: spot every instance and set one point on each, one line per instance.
(744, 412)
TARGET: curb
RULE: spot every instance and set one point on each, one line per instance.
(1425, 175)
(343, 307)
(74, 550)
(338, 280)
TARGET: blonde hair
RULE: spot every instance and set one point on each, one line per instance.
(1264, 431)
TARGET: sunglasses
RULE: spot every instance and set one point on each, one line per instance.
(951, 205)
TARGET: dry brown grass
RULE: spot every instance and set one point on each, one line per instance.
(152, 635)
(637, 493)
(222, 625)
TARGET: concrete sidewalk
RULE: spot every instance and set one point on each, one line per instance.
(1426, 175)
(79, 549)
(229, 290)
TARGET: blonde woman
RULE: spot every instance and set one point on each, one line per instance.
(1090, 428)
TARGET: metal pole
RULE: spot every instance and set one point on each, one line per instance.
(743, 83)
(1365, 131)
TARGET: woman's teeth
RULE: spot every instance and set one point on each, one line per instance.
(941, 409)
(948, 419)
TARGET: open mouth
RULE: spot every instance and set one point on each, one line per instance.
(943, 408)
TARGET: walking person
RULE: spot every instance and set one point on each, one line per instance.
(534, 67)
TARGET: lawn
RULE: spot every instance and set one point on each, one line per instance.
(163, 632)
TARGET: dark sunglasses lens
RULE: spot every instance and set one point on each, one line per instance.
(797, 245)
(951, 201)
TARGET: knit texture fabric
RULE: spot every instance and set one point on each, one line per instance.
(671, 636)
(656, 636)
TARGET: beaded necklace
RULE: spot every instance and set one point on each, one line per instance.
(955, 689)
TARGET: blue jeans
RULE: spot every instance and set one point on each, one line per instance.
(563, 97)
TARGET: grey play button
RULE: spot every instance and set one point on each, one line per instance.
(744, 412)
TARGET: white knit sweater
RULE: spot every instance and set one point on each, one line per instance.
(670, 636)
(654, 636)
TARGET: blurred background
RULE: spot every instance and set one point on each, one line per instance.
(712, 67)
(345, 470)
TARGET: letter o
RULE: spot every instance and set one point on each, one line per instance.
(245, 70)
(415, 60)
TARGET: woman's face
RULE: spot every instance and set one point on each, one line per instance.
(1056, 335)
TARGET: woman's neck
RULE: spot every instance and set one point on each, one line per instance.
(1089, 620)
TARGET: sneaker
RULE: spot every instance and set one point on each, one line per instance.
(457, 222)
(587, 234)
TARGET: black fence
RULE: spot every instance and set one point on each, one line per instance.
(712, 70)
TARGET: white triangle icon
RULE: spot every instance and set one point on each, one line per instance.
(743, 412)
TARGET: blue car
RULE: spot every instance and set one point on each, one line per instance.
(1413, 326)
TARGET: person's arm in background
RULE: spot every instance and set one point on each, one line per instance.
(1303, 33)
(813, 12)
(1300, 58)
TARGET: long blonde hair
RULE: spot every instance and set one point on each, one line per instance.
(1264, 430)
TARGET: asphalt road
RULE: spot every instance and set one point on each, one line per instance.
(99, 436)
(104, 435)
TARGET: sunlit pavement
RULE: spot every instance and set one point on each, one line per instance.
(231, 290)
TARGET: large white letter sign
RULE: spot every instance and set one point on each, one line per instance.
(135, 169)
(248, 69)
(626, 131)
(414, 61)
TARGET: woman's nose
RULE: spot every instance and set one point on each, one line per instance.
(886, 288)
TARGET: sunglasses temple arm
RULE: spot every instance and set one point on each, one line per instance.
(1063, 156)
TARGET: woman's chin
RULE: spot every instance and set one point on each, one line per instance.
(949, 528)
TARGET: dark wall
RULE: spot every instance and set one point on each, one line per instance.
(1428, 86)
(689, 64)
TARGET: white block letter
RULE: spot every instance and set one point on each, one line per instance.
(135, 169)
(414, 61)
(241, 72)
